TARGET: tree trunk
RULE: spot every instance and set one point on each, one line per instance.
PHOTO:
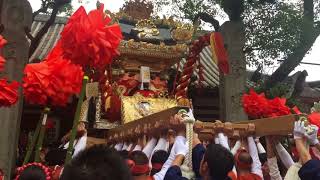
(233, 85)
(15, 15)
(309, 34)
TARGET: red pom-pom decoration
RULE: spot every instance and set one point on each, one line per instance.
(65, 80)
(8, 93)
(254, 104)
(258, 106)
(89, 40)
(314, 118)
(2, 62)
(2, 41)
(36, 83)
(52, 81)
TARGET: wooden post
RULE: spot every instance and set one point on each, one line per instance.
(15, 15)
(233, 85)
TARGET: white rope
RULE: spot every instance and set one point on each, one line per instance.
(189, 121)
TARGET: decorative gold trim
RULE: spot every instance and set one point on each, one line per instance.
(133, 46)
(137, 106)
(104, 124)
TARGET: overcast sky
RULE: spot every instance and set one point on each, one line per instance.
(114, 5)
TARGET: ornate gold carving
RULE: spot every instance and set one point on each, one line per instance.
(182, 33)
(138, 9)
(147, 28)
(144, 46)
(137, 106)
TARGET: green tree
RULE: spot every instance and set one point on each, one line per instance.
(275, 30)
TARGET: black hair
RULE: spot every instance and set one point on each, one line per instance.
(56, 156)
(220, 161)
(124, 154)
(32, 173)
(139, 158)
(159, 157)
(98, 162)
(245, 158)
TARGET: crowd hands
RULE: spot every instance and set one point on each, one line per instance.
(162, 157)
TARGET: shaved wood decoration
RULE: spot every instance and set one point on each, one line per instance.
(155, 124)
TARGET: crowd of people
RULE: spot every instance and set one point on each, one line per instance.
(163, 159)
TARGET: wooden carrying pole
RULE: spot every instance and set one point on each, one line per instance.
(156, 123)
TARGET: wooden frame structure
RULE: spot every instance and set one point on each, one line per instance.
(157, 123)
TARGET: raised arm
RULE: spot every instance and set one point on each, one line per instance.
(236, 147)
(285, 157)
(223, 140)
(272, 161)
(178, 151)
(256, 165)
(149, 147)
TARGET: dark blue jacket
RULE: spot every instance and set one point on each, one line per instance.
(310, 170)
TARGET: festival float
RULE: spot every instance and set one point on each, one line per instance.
(127, 90)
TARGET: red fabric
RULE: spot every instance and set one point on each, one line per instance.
(2, 62)
(277, 107)
(296, 110)
(65, 80)
(8, 93)
(232, 175)
(56, 171)
(50, 124)
(89, 40)
(258, 106)
(140, 169)
(221, 53)
(254, 104)
(2, 41)
(36, 83)
(115, 108)
(314, 118)
(157, 166)
(51, 81)
(249, 176)
(146, 93)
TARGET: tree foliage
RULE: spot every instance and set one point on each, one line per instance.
(272, 31)
(275, 30)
